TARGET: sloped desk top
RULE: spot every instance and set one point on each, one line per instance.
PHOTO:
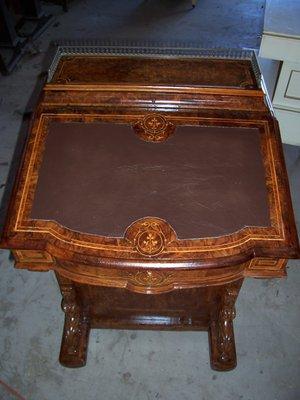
(197, 162)
(121, 178)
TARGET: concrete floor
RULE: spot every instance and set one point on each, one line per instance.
(144, 365)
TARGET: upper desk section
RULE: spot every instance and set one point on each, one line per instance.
(153, 78)
(130, 70)
(154, 65)
(156, 157)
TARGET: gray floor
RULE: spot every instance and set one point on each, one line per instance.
(144, 365)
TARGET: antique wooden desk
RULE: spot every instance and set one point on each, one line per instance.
(152, 183)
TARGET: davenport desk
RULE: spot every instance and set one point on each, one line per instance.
(152, 183)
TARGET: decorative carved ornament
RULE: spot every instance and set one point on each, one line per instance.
(150, 236)
(73, 320)
(76, 324)
(150, 278)
(227, 315)
(154, 128)
(225, 339)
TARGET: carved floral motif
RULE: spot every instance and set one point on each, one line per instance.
(75, 321)
(154, 128)
(150, 235)
(150, 239)
(225, 337)
(150, 278)
(154, 123)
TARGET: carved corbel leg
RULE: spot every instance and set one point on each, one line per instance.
(73, 351)
(221, 334)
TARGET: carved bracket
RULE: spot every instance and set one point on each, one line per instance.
(74, 343)
(154, 128)
(225, 331)
(223, 353)
(150, 236)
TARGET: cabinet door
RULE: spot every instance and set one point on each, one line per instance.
(287, 102)
(287, 93)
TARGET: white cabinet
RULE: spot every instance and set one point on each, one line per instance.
(281, 41)
(287, 94)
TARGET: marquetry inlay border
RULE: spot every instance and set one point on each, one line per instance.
(33, 256)
(267, 263)
(232, 244)
(262, 267)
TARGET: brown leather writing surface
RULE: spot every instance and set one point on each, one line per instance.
(99, 178)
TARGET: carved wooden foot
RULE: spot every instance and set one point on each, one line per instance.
(75, 337)
(221, 335)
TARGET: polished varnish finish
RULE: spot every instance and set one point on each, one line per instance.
(153, 71)
(152, 194)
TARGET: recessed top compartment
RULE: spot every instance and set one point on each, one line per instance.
(155, 71)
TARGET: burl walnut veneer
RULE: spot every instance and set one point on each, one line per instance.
(152, 184)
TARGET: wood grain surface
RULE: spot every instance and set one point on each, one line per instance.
(151, 271)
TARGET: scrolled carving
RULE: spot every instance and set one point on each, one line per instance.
(150, 236)
(225, 332)
(153, 128)
(74, 320)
